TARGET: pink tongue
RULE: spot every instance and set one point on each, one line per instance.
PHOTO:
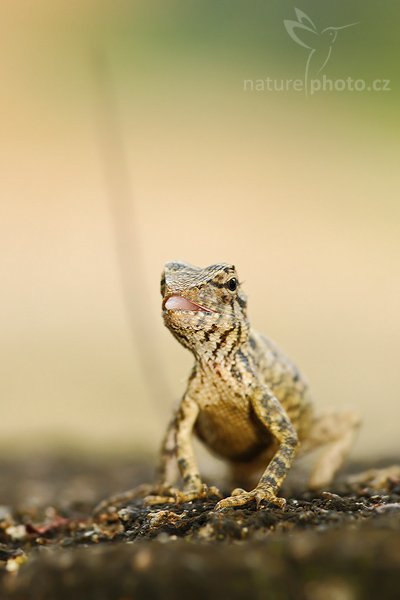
(179, 303)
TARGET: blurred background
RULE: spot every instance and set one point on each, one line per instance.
(127, 139)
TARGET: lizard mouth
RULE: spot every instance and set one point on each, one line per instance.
(176, 302)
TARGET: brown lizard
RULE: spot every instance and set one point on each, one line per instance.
(245, 399)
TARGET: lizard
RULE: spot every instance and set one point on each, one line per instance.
(245, 399)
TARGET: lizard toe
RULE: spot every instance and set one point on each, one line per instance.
(175, 496)
(238, 492)
(239, 499)
(265, 495)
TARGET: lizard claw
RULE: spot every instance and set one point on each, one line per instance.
(175, 496)
(240, 497)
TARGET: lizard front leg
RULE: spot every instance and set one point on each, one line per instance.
(193, 487)
(186, 418)
(274, 417)
(176, 447)
(166, 470)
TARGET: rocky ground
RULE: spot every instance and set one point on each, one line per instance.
(338, 545)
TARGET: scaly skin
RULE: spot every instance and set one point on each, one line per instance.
(245, 399)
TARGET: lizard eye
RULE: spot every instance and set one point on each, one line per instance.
(232, 284)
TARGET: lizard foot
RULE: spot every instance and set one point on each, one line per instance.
(175, 496)
(377, 479)
(240, 497)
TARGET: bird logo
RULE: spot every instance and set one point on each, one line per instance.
(319, 43)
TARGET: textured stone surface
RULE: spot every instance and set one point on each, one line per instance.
(340, 545)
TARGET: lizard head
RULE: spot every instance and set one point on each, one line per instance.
(203, 308)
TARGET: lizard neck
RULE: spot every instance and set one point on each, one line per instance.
(220, 345)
